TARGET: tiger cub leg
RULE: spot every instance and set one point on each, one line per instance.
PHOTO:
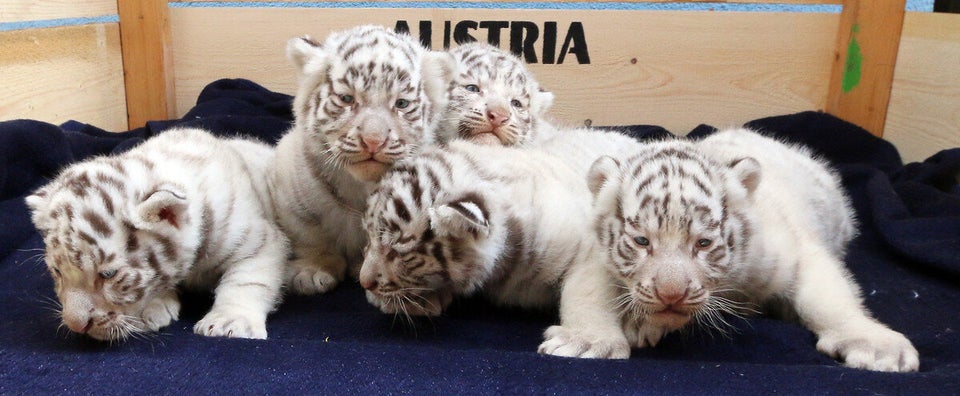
(161, 310)
(828, 303)
(247, 292)
(589, 326)
(316, 268)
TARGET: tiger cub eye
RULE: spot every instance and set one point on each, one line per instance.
(704, 243)
(642, 241)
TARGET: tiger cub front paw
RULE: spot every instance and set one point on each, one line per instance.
(564, 341)
(876, 349)
(316, 276)
(223, 323)
(160, 311)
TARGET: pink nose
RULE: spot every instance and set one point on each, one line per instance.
(672, 297)
(368, 284)
(372, 144)
(78, 325)
(497, 117)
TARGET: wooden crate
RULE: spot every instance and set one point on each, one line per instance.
(677, 69)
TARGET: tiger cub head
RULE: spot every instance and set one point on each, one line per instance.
(426, 244)
(111, 247)
(368, 96)
(494, 99)
(672, 222)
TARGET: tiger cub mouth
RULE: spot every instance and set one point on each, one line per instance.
(415, 303)
(369, 169)
(490, 137)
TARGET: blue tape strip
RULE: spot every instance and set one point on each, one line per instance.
(912, 5)
(49, 23)
(612, 5)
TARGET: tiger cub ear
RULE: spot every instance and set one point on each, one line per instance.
(461, 218)
(38, 200)
(306, 54)
(540, 102)
(38, 203)
(747, 171)
(161, 209)
(438, 70)
(603, 170)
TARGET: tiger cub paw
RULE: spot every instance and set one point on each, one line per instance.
(222, 323)
(160, 311)
(877, 349)
(310, 277)
(564, 341)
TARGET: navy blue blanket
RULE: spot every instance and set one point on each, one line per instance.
(906, 259)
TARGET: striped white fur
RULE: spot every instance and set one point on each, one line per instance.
(505, 222)
(494, 99)
(184, 208)
(367, 98)
(736, 223)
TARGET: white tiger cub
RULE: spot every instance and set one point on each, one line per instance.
(183, 208)
(734, 221)
(500, 221)
(367, 98)
(494, 99)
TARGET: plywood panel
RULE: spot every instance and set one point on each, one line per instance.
(676, 69)
(866, 49)
(147, 63)
(34, 10)
(58, 74)
(924, 113)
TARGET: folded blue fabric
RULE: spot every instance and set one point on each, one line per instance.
(906, 259)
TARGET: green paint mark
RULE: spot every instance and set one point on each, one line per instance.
(851, 70)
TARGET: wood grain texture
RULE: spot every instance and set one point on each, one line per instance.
(862, 73)
(675, 69)
(60, 74)
(35, 10)
(924, 114)
(147, 63)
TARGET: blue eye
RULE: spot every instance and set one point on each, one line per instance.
(642, 241)
(402, 103)
(516, 103)
(348, 99)
(472, 88)
(703, 243)
(108, 274)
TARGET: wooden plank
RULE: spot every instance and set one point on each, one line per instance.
(147, 63)
(676, 69)
(862, 73)
(924, 113)
(35, 10)
(65, 73)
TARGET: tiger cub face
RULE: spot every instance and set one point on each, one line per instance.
(109, 255)
(671, 222)
(368, 96)
(494, 99)
(425, 245)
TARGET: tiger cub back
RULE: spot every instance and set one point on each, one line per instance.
(491, 220)
(494, 99)
(367, 98)
(735, 223)
(183, 208)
